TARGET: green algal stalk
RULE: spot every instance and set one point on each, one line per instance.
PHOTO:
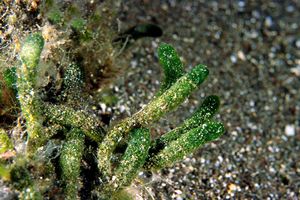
(5, 142)
(171, 64)
(206, 111)
(173, 97)
(50, 131)
(132, 161)
(72, 83)
(29, 100)
(10, 78)
(70, 160)
(161, 105)
(186, 144)
(91, 126)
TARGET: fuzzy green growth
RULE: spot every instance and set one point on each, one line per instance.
(70, 160)
(55, 16)
(10, 78)
(132, 161)
(29, 101)
(206, 111)
(73, 77)
(4, 172)
(122, 195)
(72, 83)
(91, 126)
(21, 177)
(31, 50)
(79, 27)
(158, 107)
(172, 66)
(5, 142)
(50, 131)
(23, 181)
(186, 144)
(78, 24)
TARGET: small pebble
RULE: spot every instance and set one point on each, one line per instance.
(178, 191)
(290, 130)
(233, 58)
(241, 55)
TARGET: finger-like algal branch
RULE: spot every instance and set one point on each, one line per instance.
(206, 111)
(186, 144)
(152, 112)
(50, 131)
(173, 97)
(91, 126)
(70, 160)
(29, 100)
(72, 84)
(171, 64)
(132, 161)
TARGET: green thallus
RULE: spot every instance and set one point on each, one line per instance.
(141, 153)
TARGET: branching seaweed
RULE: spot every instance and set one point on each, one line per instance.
(46, 119)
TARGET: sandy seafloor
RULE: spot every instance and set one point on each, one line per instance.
(252, 49)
